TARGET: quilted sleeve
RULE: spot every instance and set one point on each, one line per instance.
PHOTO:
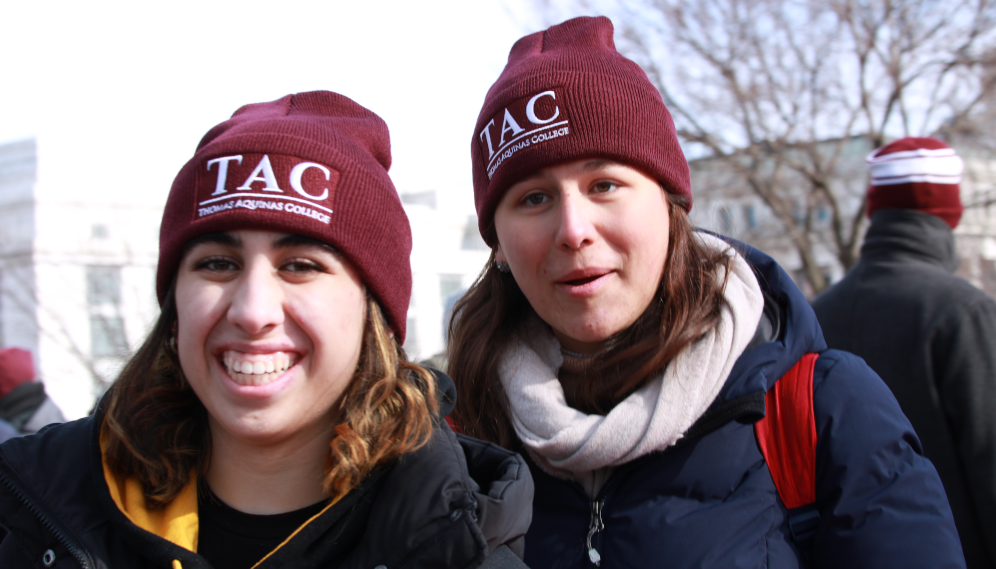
(881, 502)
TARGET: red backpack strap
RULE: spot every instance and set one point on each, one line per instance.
(453, 425)
(787, 434)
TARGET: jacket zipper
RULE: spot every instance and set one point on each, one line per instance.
(81, 556)
(596, 526)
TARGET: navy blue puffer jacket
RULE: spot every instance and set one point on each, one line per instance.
(710, 501)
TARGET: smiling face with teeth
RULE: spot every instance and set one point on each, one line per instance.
(587, 243)
(269, 331)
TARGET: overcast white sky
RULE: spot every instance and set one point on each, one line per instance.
(119, 93)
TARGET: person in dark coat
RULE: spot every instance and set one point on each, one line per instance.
(929, 334)
(629, 354)
(24, 405)
(271, 419)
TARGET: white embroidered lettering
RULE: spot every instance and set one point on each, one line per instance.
(531, 109)
(509, 124)
(298, 171)
(219, 187)
(267, 177)
(487, 133)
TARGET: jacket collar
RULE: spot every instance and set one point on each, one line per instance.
(905, 234)
(798, 333)
(168, 536)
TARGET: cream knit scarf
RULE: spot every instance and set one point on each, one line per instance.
(570, 444)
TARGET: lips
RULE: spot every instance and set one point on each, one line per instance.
(583, 276)
(584, 283)
(256, 369)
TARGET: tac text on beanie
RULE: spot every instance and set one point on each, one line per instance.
(919, 173)
(567, 94)
(313, 164)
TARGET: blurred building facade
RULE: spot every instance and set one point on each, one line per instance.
(447, 256)
(76, 276)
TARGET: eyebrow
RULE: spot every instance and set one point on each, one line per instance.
(294, 240)
(589, 166)
(592, 165)
(220, 238)
(228, 240)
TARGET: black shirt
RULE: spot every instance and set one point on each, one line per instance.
(230, 539)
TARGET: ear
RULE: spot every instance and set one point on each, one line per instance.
(390, 333)
(499, 254)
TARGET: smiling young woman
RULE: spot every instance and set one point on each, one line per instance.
(629, 354)
(271, 419)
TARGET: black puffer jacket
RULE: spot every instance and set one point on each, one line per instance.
(932, 338)
(446, 505)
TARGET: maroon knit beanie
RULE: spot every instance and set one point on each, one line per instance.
(567, 94)
(916, 173)
(312, 164)
(16, 367)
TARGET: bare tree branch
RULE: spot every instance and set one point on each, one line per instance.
(786, 96)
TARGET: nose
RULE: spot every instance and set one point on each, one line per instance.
(258, 303)
(577, 228)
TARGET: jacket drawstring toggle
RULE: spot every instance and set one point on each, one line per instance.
(596, 526)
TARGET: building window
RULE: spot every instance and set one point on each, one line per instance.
(411, 345)
(750, 212)
(725, 221)
(107, 337)
(822, 213)
(428, 199)
(103, 295)
(472, 240)
(103, 286)
(448, 284)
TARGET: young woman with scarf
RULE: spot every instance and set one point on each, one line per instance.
(628, 355)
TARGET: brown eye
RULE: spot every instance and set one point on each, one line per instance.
(535, 199)
(215, 265)
(604, 187)
(301, 266)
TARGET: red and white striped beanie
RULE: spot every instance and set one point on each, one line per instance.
(916, 173)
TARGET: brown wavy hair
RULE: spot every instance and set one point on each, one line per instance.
(157, 429)
(689, 301)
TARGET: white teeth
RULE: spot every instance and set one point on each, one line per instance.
(255, 369)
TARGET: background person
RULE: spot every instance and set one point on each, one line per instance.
(24, 405)
(929, 334)
(270, 419)
(629, 354)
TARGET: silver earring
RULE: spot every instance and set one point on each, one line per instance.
(171, 342)
(502, 267)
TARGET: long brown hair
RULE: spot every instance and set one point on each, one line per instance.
(157, 429)
(688, 304)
